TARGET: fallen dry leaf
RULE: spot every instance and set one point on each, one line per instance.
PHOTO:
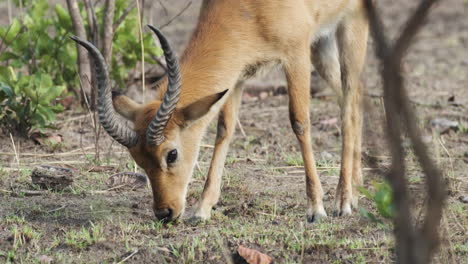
(46, 139)
(45, 259)
(67, 102)
(253, 256)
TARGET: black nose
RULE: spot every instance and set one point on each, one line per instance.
(163, 214)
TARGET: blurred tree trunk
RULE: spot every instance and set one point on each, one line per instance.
(414, 245)
(84, 67)
(108, 30)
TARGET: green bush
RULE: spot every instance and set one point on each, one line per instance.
(39, 64)
(39, 61)
(27, 101)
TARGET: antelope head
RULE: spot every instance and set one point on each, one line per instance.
(165, 138)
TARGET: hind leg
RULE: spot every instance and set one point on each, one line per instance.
(325, 58)
(352, 43)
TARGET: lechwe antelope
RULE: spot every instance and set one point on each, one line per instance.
(233, 39)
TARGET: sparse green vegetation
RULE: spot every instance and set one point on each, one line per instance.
(293, 160)
(382, 199)
(84, 237)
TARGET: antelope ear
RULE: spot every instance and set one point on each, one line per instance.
(125, 106)
(201, 107)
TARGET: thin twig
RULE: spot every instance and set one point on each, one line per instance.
(71, 119)
(124, 15)
(142, 45)
(163, 7)
(108, 30)
(9, 12)
(176, 16)
(159, 62)
(448, 239)
(128, 257)
(16, 151)
(90, 16)
(240, 127)
(56, 209)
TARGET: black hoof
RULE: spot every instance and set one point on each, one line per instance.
(315, 218)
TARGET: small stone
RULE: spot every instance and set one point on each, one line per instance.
(426, 139)
(45, 259)
(50, 177)
(463, 198)
(263, 95)
(444, 123)
(326, 155)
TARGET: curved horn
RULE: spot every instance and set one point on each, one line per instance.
(106, 112)
(155, 131)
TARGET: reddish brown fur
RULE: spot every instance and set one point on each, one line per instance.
(231, 37)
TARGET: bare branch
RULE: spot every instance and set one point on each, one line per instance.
(413, 25)
(108, 30)
(92, 21)
(159, 62)
(163, 7)
(97, 3)
(176, 16)
(412, 246)
(122, 17)
(84, 67)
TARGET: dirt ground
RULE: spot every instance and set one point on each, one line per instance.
(263, 195)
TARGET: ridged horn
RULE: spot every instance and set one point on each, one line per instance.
(106, 112)
(155, 131)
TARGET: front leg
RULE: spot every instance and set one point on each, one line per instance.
(226, 126)
(298, 76)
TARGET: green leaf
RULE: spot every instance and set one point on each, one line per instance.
(39, 9)
(7, 75)
(28, 21)
(369, 216)
(6, 90)
(23, 81)
(21, 45)
(46, 112)
(365, 192)
(52, 93)
(31, 92)
(63, 16)
(17, 64)
(12, 31)
(44, 45)
(7, 55)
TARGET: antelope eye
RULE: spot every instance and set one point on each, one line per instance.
(171, 156)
